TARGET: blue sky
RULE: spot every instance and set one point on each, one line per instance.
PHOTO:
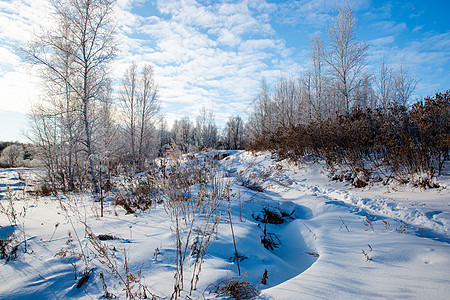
(214, 53)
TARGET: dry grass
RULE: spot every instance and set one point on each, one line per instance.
(46, 190)
(235, 288)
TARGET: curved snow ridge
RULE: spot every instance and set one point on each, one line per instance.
(386, 207)
(376, 205)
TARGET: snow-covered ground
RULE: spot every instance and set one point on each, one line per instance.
(335, 241)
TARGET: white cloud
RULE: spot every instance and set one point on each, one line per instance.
(390, 27)
(18, 90)
(9, 58)
(382, 41)
(227, 38)
(211, 55)
(20, 18)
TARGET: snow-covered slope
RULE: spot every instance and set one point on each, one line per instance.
(333, 241)
(404, 235)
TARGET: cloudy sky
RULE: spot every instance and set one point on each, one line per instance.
(214, 53)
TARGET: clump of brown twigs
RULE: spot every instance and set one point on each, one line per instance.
(234, 288)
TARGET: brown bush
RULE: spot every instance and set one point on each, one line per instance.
(46, 190)
(235, 288)
(394, 142)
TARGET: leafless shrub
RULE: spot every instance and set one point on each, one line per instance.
(9, 247)
(75, 250)
(194, 221)
(425, 182)
(45, 189)
(16, 218)
(9, 210)
(432, 119)
(70, 254)
(234, 288)
(119, 199)
(250, 179)
(137, 193)
(251, 184)
(269, 240)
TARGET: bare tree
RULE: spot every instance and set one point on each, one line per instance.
(384, 85)
(183, 133)
(234, 133)
(163, 135)
(346, 55)
(404, 85)
(13, 155)
(286, 100)
(148, 108)
(129, 99)
(140, 106)
(56, 118)
(206, 129)
(57, 130)
(394, 86)
(84, 33)
(364, 94)
(318, 78)
(262, 122)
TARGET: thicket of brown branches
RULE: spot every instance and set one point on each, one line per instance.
(365, 144)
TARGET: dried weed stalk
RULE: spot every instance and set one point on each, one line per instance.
(194, 217)
(131, 282)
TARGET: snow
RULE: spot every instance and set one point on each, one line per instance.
(335, 241)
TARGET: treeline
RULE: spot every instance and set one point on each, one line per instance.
(204, 133)
(15, 154)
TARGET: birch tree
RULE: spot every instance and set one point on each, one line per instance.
(404, 86)
(84, 32)
(346, 55)
(318, 78)
(384, 85)
(129, 100)
(140, 106)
